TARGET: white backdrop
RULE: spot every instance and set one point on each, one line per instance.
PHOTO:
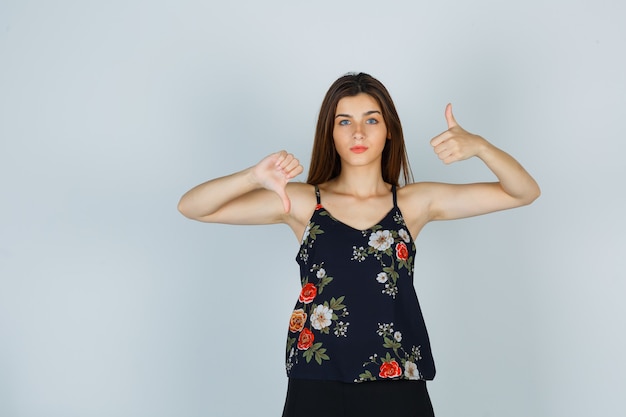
(113, 304)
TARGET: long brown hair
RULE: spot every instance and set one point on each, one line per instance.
(325, 161)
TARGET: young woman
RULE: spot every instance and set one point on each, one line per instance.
(357, 343)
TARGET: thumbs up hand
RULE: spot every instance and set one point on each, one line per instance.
(456, 144)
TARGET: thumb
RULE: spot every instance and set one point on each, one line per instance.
(450, 117)
(286, 202)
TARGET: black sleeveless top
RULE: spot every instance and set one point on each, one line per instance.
(357, 317)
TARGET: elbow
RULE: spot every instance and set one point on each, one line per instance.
(537, 193)
(532, 195)
(190, 210)
(184, 209)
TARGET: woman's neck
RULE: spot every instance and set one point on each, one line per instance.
(359, 183)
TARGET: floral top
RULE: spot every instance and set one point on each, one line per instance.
(357, 317)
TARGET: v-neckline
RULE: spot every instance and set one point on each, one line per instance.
(321, 206)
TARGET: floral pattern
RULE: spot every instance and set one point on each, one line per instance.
(395, 358)
(308, 293)
(314, 314)
(297, 321)
(305, 340)
(393, 244)
(390, 369)
(320, 318)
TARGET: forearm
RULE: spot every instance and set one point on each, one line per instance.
(208, 197)
(513, 178)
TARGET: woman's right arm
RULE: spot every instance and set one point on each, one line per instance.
(256, 195)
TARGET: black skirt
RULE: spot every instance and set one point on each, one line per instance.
(401, 398)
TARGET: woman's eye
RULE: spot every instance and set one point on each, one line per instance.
(372, 121)
(344, 122)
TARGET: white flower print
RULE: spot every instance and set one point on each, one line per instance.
(411, 371)
(382, 277)
(404, 235)
(384, 328)
(381, 240)
(358, 254)
(321, 273)
(341, 329)
(416, 352)
(321, 317)
(390, 290)
(397, 336)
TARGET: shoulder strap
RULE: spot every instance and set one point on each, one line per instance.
(395, 197)
(317, 194)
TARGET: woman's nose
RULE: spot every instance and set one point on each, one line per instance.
(358, 132)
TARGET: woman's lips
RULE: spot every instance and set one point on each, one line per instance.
(358, 149)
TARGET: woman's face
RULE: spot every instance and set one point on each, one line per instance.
(359, 131)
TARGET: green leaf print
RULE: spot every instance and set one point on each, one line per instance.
(405, 264)
(391, 271)
(323, 282)
(321, 355)
(391, 344)
(316, 351)
(336, 304)
(314, 230)
(367, 376)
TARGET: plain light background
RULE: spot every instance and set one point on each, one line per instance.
(113, 304)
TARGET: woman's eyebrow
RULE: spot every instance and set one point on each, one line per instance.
(367, 113)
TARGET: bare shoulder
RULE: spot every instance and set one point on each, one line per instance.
(414, 200)
(302, 195)
(303, 202)
(415, 194)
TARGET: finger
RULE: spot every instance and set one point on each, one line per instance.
(450, 117)
(443, 154)
(280, 157)
(439, 139)
(290, 164)
(294, 172)
(287, 162)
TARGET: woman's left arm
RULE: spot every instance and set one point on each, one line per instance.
(515, 186)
